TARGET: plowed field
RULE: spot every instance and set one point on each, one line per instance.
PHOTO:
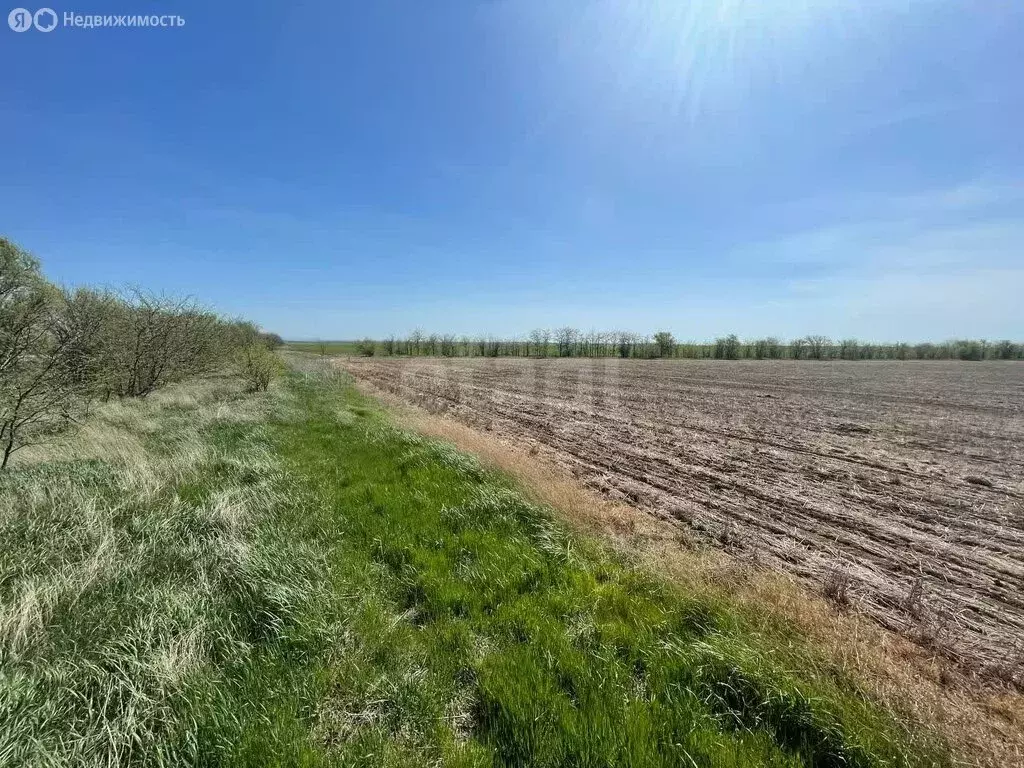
(898, 486)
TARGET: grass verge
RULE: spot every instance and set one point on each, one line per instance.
(290, 579)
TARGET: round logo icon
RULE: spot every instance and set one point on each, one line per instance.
(20, 20)
(45, 20)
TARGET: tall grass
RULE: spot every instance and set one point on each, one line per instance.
(132, 575)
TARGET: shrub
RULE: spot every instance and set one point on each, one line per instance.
(137, 342)
(61, 349)
(818, 347)
(257, 365)
(727, 347)
(272, 340)
(665, 344)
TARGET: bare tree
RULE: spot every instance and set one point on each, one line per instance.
(415, 341)
(157, 340)
(541, 338)
(88, 327)
(625, 344)
(818, 347)
(39, 390)
(849, 349)
(566, 339)
(798, 349)
(22, 305)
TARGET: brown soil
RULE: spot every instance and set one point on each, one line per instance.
(897, 487)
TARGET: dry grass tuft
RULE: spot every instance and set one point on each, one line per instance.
(985, 725)
(837, 586)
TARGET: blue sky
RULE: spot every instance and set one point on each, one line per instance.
(341, 169)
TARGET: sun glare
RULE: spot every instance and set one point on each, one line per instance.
(687, 53)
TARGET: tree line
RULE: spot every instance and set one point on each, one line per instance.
(62, 350)
(572, 342)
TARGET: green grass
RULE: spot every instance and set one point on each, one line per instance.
(323, 347)
(311, 585)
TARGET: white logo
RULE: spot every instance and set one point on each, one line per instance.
(45, 19)
(20, 20)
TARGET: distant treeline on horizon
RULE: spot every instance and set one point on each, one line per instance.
(571, 342)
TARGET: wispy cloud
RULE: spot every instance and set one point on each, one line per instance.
(942, 262)
(968, 227)
(970, 196)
